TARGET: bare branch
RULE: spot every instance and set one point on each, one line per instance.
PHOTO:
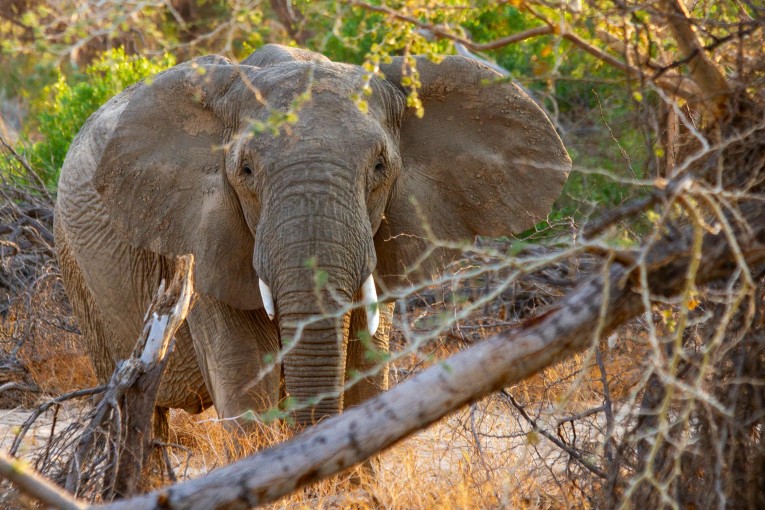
(557, 442)
(443, 33)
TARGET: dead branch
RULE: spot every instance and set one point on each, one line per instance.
(124, 413)
(129, 398)
(26, 479)
(44, 407)
(573, 453)
(336, 444)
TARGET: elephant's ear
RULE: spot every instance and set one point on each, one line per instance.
(483, 160)
(272, 54)
(163, 180)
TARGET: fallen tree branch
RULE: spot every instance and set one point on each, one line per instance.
(32, 484)
(361, 432)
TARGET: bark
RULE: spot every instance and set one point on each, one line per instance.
(706, 75)
(573, 324)
(133, 390)
(31, 483)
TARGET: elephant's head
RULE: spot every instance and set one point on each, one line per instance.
(349, 190)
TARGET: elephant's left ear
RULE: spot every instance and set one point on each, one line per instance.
(483, 160)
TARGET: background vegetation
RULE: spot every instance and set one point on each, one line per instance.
(664, 412)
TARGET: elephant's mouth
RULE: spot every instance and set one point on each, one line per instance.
(368, 299)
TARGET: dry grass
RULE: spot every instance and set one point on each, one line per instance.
(40, 334)
(442, 467)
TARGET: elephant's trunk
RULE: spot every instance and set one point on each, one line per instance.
(314, 251)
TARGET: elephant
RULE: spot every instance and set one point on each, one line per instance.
(312, 217)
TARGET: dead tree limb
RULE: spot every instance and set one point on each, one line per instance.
(610, 299)
(32, 484)
(129, 399)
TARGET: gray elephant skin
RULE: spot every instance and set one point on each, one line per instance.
(290, 225)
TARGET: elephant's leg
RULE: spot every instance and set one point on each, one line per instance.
(361, 358)
(182, 382)
(235, 350)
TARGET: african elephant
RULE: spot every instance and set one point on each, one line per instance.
(175, 165)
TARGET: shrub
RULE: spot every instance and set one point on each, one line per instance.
(65, 106)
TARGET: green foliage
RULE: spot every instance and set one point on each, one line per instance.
(63, 107)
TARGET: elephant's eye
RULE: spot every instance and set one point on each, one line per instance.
(380, 166)
(247, 169)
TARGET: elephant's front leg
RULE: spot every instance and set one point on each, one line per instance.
(235, 349)
(365, 356)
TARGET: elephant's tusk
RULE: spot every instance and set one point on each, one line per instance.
(268, 299)
(371, 306)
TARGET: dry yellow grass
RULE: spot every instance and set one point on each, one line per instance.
(438, 468)
(480, 457)
(50, 350)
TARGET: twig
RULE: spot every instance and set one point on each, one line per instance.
(30, 171)
(579, 416)
(18, 386)
(44, 407)
(661, 192)
(674, 84)
(608, 448)
(573, 453)
(445, 34)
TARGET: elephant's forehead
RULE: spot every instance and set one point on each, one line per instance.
(292, 78)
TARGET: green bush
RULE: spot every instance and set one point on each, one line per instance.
(64, 106)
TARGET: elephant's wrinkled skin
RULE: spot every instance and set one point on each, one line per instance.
(173, 166)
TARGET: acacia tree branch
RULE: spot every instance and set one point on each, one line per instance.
(443, 33)
(361, 432)
(673, 84)
(704, 72)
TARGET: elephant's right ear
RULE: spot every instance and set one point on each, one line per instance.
(162, 178)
